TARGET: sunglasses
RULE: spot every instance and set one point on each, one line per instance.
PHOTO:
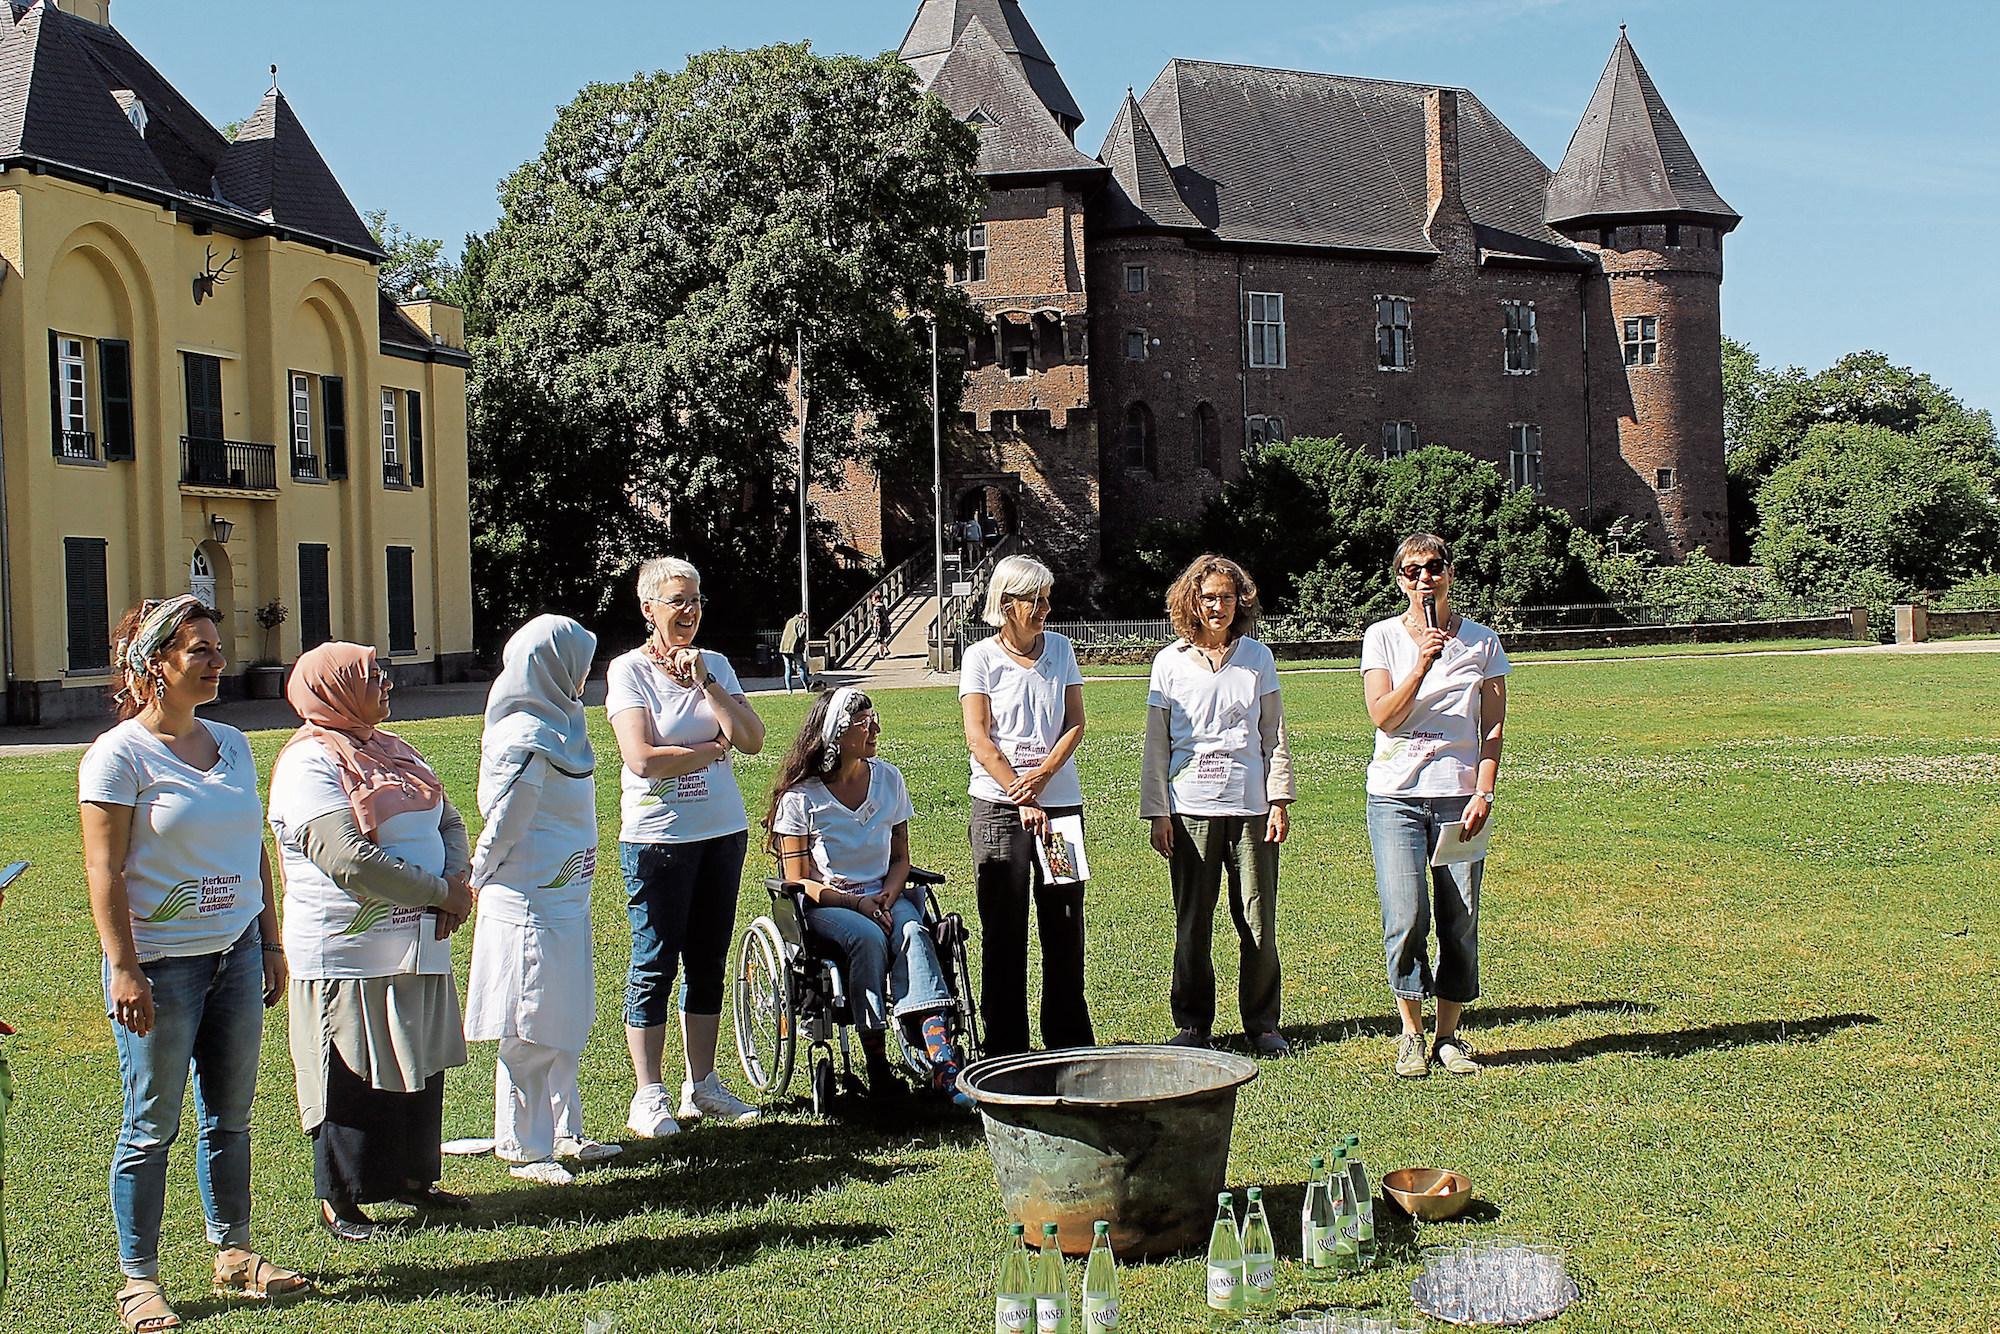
(1433, 567)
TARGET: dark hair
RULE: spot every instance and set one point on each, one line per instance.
(130, 692)
(805, 758)
(1184, 598)
(1420, 544)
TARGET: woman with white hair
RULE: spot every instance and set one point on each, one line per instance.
(1021, 693)
(532, 987)
(678, 711)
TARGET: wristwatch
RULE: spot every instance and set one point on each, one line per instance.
(1489, 796)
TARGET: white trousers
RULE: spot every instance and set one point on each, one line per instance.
(535, 1100)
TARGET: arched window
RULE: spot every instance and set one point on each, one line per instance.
(1207, 439)
(201, 577)
(1140, 443)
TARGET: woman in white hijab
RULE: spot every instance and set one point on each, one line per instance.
(533, 987)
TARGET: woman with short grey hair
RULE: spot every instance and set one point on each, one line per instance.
(1021, 693)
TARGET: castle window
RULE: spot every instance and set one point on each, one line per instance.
(1135, 277)
(1398, 439)
(305, 459)
(1266, 430)
(1673, 236)
(392, 452)
(1607, 237)
(975, 254)
(1207, 439)
(1393, 348)
(1524, 457)
(1267, 330)
(1642, 340)
(1521, 340)
(1135, 345)
(1663, 479)
(73, 427)
(136, 113)
(1140, 443)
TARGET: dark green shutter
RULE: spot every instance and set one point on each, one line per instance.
(315, 596)
(55, 396)
(87, 603)
(402, 601)
(333, 398)
(114, 367)
(416, 438)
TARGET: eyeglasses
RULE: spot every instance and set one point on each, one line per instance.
(680, 606)
(1217, 599)
(1433, 567)
(1036, 600)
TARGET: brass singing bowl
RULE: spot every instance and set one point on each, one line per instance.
(1429, 1193)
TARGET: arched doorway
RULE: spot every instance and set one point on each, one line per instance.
(993, 505)
(212, 579)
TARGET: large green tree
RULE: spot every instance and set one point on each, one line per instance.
(653, 278)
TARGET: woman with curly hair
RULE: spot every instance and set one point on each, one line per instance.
(1217, 787)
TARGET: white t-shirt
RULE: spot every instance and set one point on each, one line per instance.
(1027, 707)
(329, 932)
(193, 866)
(688, 809)
(1216, 764)
(1435, 753)
(547, 821)
(850, 848)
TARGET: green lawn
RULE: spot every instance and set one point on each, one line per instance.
(1740, 955)
(1638, 653)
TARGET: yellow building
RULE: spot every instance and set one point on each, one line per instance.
(201, 386)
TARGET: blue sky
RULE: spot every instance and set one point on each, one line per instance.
(1850, 135)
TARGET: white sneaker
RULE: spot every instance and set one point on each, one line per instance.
(544, 1172)
(585, 1150)
(649, 1117)
(709, 1098)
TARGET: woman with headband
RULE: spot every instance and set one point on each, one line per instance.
(376, 869)
(180, 888)
(839, 822)
(678, 711)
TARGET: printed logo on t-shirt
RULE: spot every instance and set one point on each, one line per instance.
(691, 787)
(206, 895)
(580, 866)
(373, 913)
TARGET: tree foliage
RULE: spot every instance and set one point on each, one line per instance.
(414, 266)
(642, 301)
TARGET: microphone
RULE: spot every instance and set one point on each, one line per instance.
(1431, 611)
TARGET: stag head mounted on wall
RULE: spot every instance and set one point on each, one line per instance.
(212, 277)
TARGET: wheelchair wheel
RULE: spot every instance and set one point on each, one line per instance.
(821, 1077)
(766, 1023)
(960, 966)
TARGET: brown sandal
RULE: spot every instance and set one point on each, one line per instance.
(252, 1276)
(143, 1307)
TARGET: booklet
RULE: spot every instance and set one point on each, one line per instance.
(1454, 848)
(1061, 853)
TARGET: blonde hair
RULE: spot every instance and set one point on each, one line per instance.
(1184, 598)
(657, 573)
(1017, 576)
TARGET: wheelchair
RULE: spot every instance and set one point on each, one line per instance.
(789, 987)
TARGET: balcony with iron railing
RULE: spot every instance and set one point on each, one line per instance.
(229, 465)
(305, 466)
(77, 446)
(392, 473)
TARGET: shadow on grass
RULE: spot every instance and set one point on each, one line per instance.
(1683, 1041)
(550, 1272)
(1476, 1018)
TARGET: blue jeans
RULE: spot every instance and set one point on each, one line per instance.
(1404, 832)
(796, 662)
(208, 1011)
(681, 900)
(911, 974)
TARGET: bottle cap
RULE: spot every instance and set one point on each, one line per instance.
(1016, 1230)
(1100, 1228)
(1225, 1199)
(1048, 1229)
(1256, 1193)
(1319, 1164)
(1353, 1140)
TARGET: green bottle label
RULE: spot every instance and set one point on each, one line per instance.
(1225, 1287)
(1049, 1313)
(1013, 1315)
(1325, 1241)
(1261, 1277)
(1100, 1314)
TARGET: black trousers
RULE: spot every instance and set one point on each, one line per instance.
(375, 1145)
(1008, 875)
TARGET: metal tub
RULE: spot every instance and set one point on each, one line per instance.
(1138, 1136)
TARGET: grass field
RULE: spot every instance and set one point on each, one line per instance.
(1739, 960)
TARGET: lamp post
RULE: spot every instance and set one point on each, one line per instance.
(937, 493)
(805, 513)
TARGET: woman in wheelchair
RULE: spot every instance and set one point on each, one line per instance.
(839, 823)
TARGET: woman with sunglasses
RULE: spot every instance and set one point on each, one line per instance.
(678, 711)
(180, 887)
(376, 881)
(1021, 693)
(1436, 686)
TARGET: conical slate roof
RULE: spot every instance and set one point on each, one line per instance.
(273, 171)
(1629, 157)
(1017, 135)
(941, 23)
(1143, 192)
(56, 102)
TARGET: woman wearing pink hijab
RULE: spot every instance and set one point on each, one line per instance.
(376, 873)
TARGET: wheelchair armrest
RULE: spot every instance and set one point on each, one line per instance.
(919, 876)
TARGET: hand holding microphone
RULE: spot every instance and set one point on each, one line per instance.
(1431, 647)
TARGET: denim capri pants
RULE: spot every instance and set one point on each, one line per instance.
(1404, 832)
(681, 898)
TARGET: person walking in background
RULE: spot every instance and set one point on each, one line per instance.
(975, 541)
(180, 889)
(1021, 694)
(376, 881)
(532, 987)
(794, 649)
(678, 711)
(878, 608)
(1436, 686)
(1217, 786)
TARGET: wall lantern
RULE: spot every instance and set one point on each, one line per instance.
(222, 528)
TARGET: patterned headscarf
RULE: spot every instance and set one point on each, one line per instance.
(382, 773)
(157, 628)
(841, 710)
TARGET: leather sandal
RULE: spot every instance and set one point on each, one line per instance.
(143, 1307)
(251, 1275)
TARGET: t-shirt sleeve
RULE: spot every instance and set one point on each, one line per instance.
(976, 677)
(793, 817)
(1267, 672)
(621, 689)
(304, 786)
(1496, 661)
(1156, 684)
(109, 773)
(1072, 673)
(900, 809)
(724, 674)
(1375, 651)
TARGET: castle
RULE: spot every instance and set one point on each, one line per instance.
(1256, 253)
